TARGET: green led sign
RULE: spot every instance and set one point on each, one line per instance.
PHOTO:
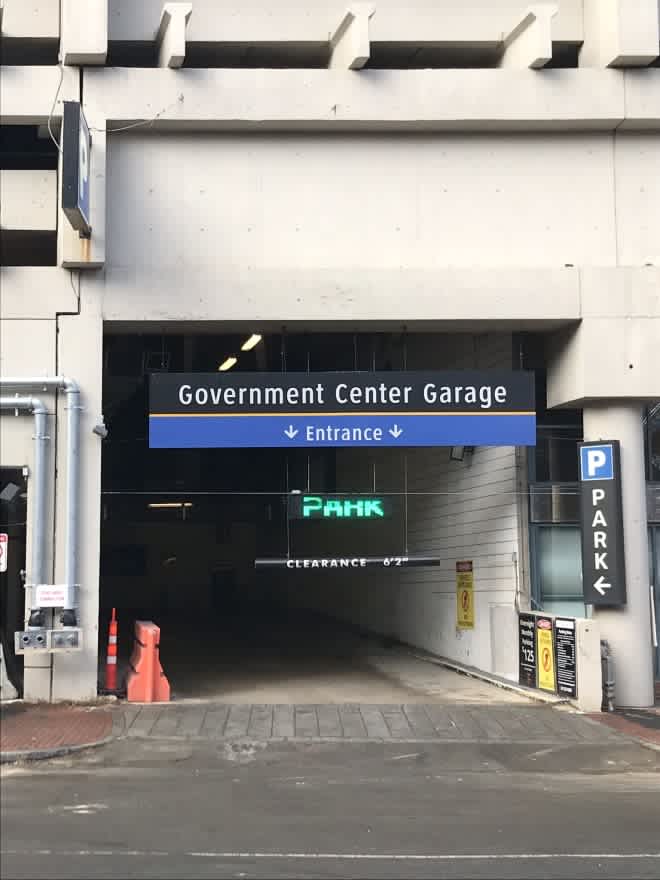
(330, 507)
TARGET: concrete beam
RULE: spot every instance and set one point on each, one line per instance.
(84, 32)
(349, 45)
(471, 298)
(419, 22)
(392, 100)
(29, 200)
(529, 44)
(620, 33)
(36, 20)
(27, 93)
(613, 352)
(171, 34)
(642, 99)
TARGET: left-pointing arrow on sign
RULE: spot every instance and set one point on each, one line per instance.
(601, 585)
(291, 432)
(396, 431)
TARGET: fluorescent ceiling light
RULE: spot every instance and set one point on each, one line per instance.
(227, 364)
(250, 343)
(169, 505)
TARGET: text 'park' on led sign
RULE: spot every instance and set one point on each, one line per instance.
(339, 507)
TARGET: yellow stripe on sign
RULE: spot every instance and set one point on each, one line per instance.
(288, 415)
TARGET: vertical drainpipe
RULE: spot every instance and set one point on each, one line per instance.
(72, 502)
(37, 573)
(72, 391)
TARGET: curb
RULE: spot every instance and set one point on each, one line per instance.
(45, 754)
(502, 683)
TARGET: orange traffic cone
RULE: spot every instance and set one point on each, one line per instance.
(111, 659)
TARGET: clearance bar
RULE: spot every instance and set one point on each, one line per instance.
(348, 563)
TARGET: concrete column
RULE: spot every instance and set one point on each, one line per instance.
(80, 355)
(628, 629)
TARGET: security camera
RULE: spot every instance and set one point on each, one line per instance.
(100, 430)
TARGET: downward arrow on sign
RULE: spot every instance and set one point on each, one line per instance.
(602, 586)
(396, 431)
(291, 432)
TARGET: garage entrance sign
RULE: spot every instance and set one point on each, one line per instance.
(471, 408)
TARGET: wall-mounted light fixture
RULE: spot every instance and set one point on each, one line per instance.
(227, 364)
(460, 453)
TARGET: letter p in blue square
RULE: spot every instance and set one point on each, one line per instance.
(597, 462)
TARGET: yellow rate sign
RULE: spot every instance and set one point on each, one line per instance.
(545, 652)
(464, 595)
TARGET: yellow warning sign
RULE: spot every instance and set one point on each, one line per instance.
(546, 654)
(464, 595)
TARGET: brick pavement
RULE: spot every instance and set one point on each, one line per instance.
(360, 722)
(637, 723)
(43, 729)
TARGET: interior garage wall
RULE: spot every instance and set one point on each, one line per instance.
(457, 511)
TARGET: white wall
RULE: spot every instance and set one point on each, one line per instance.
(463, 511)
(355, 206)
(28, 347)
(45, 344)
(29, 200)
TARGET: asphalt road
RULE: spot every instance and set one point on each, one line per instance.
(268, 810)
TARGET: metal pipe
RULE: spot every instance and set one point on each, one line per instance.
(72, 505)
(37, 573)
(72, 391)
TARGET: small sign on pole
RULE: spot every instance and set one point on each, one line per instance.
(49, 596)
(4, 545)
(464, 595)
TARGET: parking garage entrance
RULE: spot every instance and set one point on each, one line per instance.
(290, 509)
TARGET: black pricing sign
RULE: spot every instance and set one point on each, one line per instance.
(566, 652)
(527, 650)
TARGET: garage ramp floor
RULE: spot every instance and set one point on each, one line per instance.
(292, 657)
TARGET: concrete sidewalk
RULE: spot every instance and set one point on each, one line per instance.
(31, 731)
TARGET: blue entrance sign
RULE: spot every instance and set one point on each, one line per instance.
(341, 409)
(314, 430)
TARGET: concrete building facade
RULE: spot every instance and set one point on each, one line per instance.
(474, 185)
